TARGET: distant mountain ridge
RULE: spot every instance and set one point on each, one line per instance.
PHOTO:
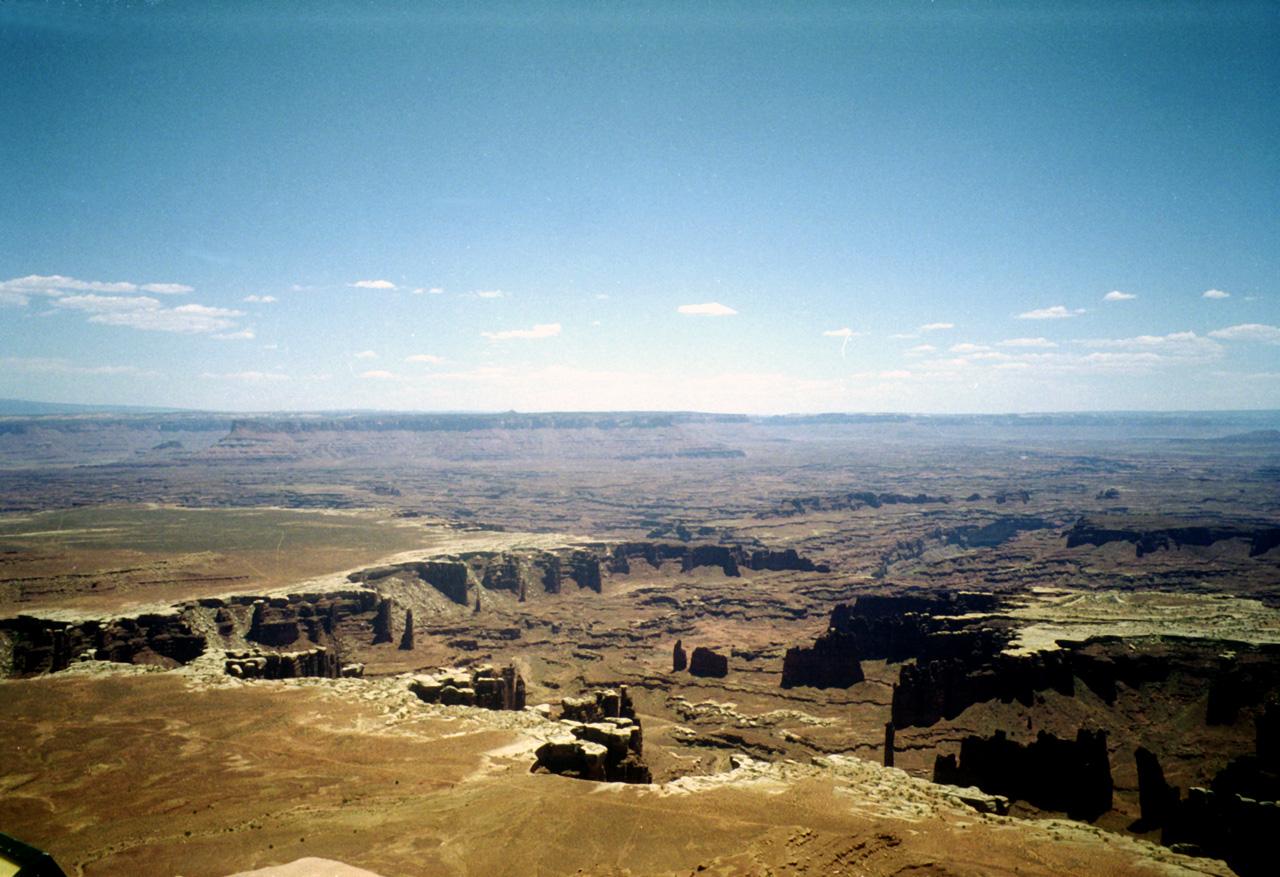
(26, 408)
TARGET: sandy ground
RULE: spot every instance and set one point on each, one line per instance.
(191, 773)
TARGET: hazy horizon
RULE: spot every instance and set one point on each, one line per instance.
(941, 208)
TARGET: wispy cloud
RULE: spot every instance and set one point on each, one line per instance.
(252, 376)
(374, 284)
(59, 365)
(144, 312)
(969, 348)
(710, 309)
(490, 293)
(366, 354)
(1215, 293)
(932, 327)
(260, 299)
(846, 334)
(1117, 295)
(117, 304)
(1249, 332)
(1057, 312)
(1153, 349)
(101, 304)
(20, 290)
(428, 358)
(541, 330)
(377, 374)
(1026, 342)
(185, 318)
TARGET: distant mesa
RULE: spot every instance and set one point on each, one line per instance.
(1149, 533)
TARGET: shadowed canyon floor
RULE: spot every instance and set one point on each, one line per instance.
(1143, 553)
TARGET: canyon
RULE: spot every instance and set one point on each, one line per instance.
(593, 632)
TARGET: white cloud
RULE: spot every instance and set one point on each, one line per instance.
(117, 309)
(901, 336)
(933, 327)
(541, 330)
(600, 296)
(427, 358)
(710, 309)
(58, 365)
(56, 284)
(1027, 342)
(846, 334)
(1249, 332)
(922, 348)
(491, 293)
(1215, 293)
(247, 376)
(366, 354)
(101, 304)
(261, 299)
(435, 290)
(241, 335)
(1176, 347)
(373, 284)
(1117, 295)
(19, 290)
(377, 374)
(185, 318)
(969, 348)
(1057, 312)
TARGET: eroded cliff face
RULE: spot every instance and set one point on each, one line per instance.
(31, 646)
(1067, 775)
(338, 620)
(1148, 533)
(347, 620)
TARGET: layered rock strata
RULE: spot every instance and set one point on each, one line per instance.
(602, 740)
(484, 687)
(317, 662)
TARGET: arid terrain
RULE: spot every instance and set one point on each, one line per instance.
(412, 643)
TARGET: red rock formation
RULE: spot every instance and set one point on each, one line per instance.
(705, 662)
(1053, 774)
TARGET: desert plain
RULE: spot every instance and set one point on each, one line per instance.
(225, 642)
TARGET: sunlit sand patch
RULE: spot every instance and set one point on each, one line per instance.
(1063, 615)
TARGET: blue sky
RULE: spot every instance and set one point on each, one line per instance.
(750, 207)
